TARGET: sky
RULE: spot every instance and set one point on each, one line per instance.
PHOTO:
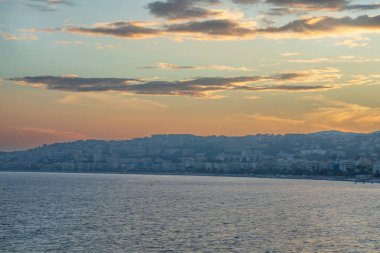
(122, 69)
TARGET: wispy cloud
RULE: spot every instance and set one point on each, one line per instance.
(99, 45)
(354, 41)
(130, 29)
(48, 5)
(252, 97)
(67, 42)
(341, 59)
(288, 54)
(54, 132)
(304, 4)
(285, 7)
(364, 79)
(327, 114)
(118, 102)
(20, 36)
(342, 115)
(170, 66)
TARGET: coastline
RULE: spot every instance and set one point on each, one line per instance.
(291, 177)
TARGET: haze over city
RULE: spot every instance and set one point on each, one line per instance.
(74, 70)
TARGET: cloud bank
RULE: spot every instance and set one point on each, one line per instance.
(232, 29)
(197, 87)
(182, 9)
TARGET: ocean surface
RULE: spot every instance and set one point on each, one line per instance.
(42, 212)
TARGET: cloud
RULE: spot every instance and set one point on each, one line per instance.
(66, 42)
(327, 114)
(341, 59)
(170, 66)
(20, 36)
(271, 123)
(197, 87)
(102, 46)
(317, 27)
(281, 11)
(302, 4)
(252, 97)
(342, 115)
(76, 83)
(112, 101)
(364, 79)
(206, 29)
(48, 5)
(274, 119)
(182, 9)
(287, 54)
(354, 41)
(64, 134)
(362, 7)
(314, 60)
(233, 29)
(298, 6)
(218, 29)
(130, 29)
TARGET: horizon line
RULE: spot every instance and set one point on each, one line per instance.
(195, 135)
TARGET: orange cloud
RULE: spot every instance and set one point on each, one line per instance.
(21, 36)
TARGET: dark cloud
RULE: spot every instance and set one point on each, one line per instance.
(286, 7)
(182, 9)
(310, 4)
(234, 29)
(281, 11)
(321, 26)
(363, 7)
(306, 4)
(198, 87)
(77, 84)
(207, 28)
(218, 27)
(118, 29)
(246, 1)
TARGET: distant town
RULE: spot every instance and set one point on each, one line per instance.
(329, 153)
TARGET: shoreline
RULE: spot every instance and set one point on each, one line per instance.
(292, 177)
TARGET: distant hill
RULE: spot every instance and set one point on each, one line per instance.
(335, 133)
(328, 153)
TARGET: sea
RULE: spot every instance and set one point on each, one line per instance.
(61, 212)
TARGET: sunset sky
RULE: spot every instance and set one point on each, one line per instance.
(122, 69)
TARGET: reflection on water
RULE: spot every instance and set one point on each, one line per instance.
(143, 213)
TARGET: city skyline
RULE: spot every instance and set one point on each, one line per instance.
(328, 153)
(123, 69)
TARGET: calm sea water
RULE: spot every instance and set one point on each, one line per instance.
(42, 212)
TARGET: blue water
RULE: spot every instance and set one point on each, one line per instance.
(42, 212)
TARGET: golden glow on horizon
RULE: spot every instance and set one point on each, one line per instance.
(227, 69)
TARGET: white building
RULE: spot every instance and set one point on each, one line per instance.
(376, 168)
